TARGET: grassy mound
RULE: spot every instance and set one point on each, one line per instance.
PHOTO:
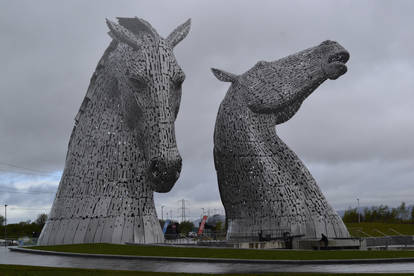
(378, 229)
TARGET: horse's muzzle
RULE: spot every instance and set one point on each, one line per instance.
(164, 173)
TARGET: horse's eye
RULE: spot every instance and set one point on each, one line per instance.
(178, 81)
(138, 84)
(177, 84)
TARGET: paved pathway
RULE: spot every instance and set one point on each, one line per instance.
(8, 257)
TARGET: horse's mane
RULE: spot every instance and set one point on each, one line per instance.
(138, 27)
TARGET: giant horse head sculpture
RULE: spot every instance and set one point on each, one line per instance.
(150, 78)
(264, 186)
(123, 145)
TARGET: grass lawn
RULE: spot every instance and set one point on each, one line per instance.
(138, 250)
(20, 270)
(375, 229)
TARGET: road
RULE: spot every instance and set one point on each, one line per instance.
(8, 257)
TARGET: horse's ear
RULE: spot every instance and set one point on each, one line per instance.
(179, 33)
(122, 34)
(223, 75)
(137, 26)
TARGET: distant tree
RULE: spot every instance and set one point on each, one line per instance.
(403, 212)
(412, 214)
(1, 220)
(381, 213)
(23, 223)
(351, 215)
(41, 219)
(185, 227)
(218, 227)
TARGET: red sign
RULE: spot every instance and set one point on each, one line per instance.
(201, 229)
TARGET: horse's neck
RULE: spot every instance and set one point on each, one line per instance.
(246, 132)
(259, 127)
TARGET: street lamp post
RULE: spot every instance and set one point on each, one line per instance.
(359, 215)
(5, 225)
(162, 212)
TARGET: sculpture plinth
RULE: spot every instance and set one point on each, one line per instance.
(122, 147)
(265, 188)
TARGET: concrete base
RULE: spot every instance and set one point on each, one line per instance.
(261, 245)
(275, 244)
(296, 243)
(316, 244)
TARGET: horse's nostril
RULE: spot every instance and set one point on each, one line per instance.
(179, 163)
(163, 169)
(156, 167)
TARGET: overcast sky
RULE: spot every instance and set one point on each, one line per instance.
(355, 134)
